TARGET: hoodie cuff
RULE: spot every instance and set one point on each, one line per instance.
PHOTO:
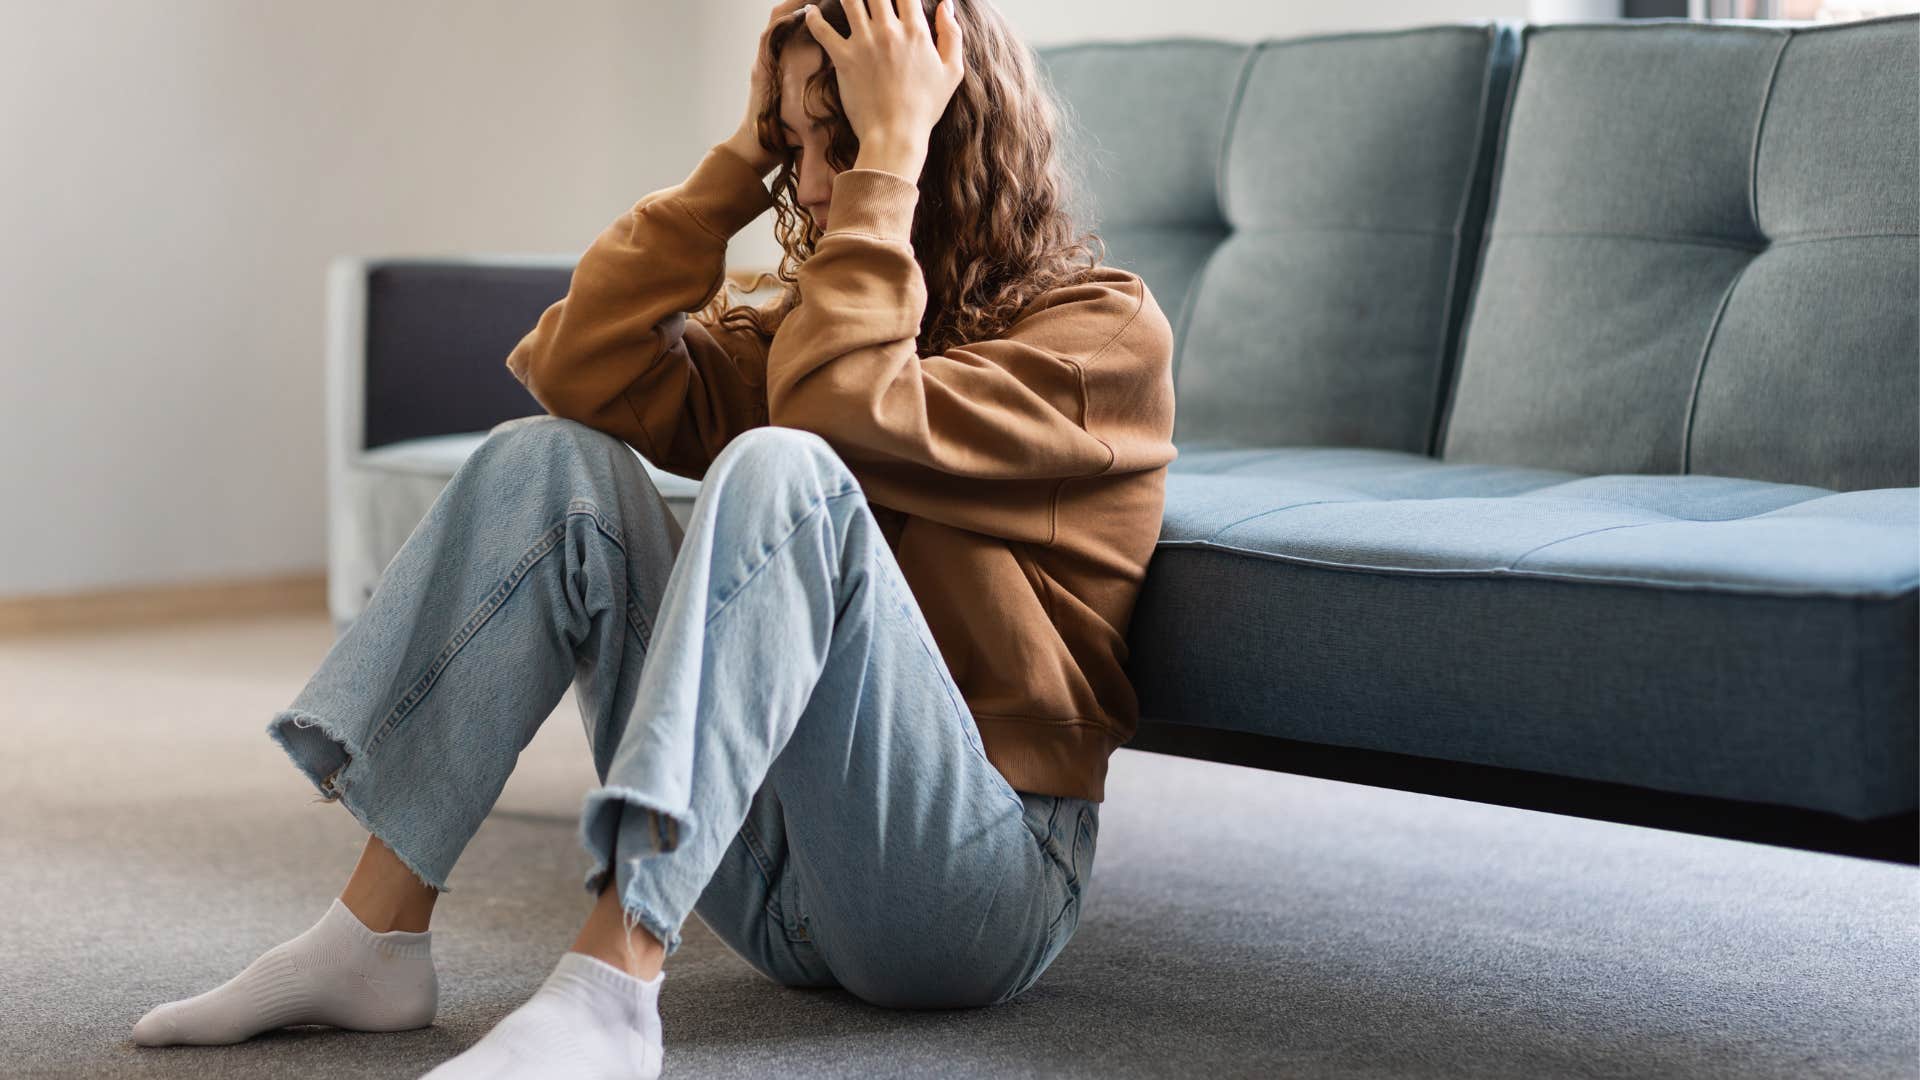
(874, 202)
(723, 193)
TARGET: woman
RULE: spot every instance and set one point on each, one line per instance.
(883, 660)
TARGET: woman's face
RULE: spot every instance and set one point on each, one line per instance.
(806, 139)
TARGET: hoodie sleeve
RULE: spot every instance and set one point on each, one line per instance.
(983, 435)
(618, 352)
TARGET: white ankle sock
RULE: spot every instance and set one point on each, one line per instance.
(588, 1020)
(337, 972)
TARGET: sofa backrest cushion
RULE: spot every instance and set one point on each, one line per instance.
(1145, 123)
(1703, 255)
(1307, 207)
(435, 323)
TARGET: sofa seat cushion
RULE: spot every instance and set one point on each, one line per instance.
(440, 455)
(1696, 634)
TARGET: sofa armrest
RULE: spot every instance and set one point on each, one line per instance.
(418, 346)
(416, 354)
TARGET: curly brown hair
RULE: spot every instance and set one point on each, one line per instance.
(994, 229)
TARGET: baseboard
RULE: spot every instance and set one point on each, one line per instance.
(146, 605)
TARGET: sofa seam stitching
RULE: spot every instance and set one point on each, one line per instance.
(1523, 52)
(1759, 127)
(1514, 564)
(1700, 371)
(1443, 369)
(1902, 590)
(1688, 239)
(1276, 510)
(1788, 239)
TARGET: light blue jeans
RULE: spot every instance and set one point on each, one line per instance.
(779, 743)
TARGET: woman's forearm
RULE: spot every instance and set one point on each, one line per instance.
(610, 353)
(744, 143)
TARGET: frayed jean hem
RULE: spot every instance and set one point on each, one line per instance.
(331, 762)
(602, 820)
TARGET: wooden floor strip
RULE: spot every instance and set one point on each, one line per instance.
(156, 604)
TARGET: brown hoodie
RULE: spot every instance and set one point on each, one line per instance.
(1019, 481)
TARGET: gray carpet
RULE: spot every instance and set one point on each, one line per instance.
(153, 841)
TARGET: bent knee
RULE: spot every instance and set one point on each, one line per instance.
(784, 451)
(549, 430)
(548, 438)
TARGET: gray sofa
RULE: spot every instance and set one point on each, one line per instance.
(1547, 409)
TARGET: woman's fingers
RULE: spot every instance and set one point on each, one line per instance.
(948, 41)
(912, 15)
(824, 33)
(857, 17)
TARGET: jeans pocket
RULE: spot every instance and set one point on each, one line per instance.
(1057, 825)
(1044, 816)
(1086, 836)
(791, 915)
(1059, 932)
(1067, 829)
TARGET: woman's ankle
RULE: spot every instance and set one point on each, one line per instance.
(385, 895)
(382, 915)
(606, 937)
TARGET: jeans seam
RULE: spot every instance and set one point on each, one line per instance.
(812, 510)
(1070, 865)
(483, 614)
(1053, 927)
(775, 905)
(1034, 970)
(1082, 824)
(791, 915)
(636, 615)
(637, 622)
(1072, 899)
(750, 839)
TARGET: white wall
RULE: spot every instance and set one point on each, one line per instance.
(174, 177)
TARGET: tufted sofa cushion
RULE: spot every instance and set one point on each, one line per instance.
(1697, 634)
(1305, 210)
(1144, 125)
(1703, 257)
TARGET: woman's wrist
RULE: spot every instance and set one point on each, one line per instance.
(747, 146)
(903, 155)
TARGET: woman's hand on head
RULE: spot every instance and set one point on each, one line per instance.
(746, 140)
(896, 74)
